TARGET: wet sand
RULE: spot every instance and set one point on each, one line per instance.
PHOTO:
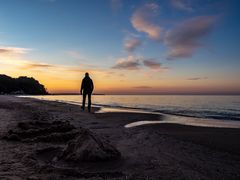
(157, 151)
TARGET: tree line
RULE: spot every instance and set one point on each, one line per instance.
(21, 85)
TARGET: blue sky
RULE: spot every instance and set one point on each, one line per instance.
(180, 44)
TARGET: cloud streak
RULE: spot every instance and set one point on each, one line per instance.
(152, 64)
(142, 87)
(131, 44)
(129, 63)
(13, 50)
(185, 38)
(197, 78)
(38, 65)
(137, 63)
(142, 21)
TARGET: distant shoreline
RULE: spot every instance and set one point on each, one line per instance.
(57, 94)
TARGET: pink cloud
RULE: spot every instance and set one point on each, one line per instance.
(152, 64)
(137, 63)
(142, 20)
(131, 44)
(184, 39)
(129, 63)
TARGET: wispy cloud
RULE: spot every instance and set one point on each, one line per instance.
(184, 39)
(13, 50)
(183, 5)
(129, 63)
(142, 20)
(136, 63)
(197, 78)
(152, 64)
(131, 44)
(13, 56)
(142, 87)
(38, 65)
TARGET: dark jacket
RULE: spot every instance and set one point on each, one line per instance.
(87, 85)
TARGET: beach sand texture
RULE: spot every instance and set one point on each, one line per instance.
(53, 140)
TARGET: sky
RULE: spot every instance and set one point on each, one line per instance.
(127, 46)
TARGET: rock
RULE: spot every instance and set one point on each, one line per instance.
(88, 147)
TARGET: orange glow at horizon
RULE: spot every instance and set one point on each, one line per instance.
(65, 79)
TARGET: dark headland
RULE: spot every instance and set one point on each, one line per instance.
(21, 85)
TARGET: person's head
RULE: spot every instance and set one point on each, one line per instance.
(86, 74)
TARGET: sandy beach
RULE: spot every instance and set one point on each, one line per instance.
(42, 140)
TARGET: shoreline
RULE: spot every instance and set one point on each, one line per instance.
(168, 118)
(159, 151)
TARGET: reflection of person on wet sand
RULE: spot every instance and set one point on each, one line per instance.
(86, 90)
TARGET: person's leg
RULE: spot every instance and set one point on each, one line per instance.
(89, 102)
(83, 101)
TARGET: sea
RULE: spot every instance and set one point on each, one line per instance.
(203, 110)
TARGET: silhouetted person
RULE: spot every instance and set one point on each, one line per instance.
(86, 90)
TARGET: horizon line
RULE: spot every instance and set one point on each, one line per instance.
(102, 94)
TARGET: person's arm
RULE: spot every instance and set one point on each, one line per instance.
(92, 85)
(81, 87)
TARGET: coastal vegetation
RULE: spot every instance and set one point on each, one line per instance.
(21, 85)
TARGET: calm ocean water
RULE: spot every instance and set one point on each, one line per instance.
(197, 106)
